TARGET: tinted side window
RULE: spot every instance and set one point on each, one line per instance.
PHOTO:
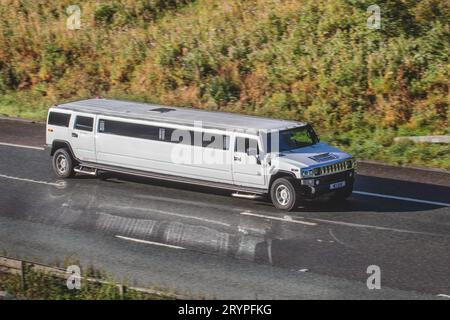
(226, 142)
(84, 123)
(162, 134)
(178, 136)
(216, 141)
(244, 144)
(133, 130)
(59, 119)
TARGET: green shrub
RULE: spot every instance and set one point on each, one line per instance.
(105, 14)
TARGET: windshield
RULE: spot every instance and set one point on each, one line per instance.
(292, 139)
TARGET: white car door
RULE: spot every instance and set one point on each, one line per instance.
(83, 137)
(247, 167)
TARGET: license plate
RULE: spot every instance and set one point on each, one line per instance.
(337, 185)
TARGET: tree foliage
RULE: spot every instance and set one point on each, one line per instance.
(313, 60)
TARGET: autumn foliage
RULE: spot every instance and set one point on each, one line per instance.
(313, 60)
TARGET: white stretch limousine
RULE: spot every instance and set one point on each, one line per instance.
(253, 156)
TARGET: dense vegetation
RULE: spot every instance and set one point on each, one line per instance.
(314, 60)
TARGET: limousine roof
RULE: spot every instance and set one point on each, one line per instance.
(181, 116)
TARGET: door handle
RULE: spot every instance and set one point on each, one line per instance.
(237, 158)
(75, 135)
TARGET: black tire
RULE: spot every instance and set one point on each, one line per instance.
(283, 194)
(63, 163)
(342, 194)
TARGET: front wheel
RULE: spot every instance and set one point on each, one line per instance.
(63, 163)
(283, 194)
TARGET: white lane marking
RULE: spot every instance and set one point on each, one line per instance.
(21, 146)
(337, 240)
(269, 250)
(150, 242)
(357, 225)
(285, 219)
(444, 296)
(55, 184)
(401, 198)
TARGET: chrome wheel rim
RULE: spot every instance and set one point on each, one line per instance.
(61, 164)
(283, 195)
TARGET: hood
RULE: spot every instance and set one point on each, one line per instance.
(315, 155)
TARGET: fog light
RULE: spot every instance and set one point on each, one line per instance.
(308, 182)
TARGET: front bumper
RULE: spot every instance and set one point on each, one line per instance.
(314, 187)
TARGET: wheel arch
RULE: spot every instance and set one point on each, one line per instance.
(59, 144)
(280, 174)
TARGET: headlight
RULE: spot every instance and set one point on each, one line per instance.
(349, 163)
(307, 173)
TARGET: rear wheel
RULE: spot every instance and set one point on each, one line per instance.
(63, 163)
(283, 194)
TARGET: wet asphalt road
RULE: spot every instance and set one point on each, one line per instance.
(216, 246)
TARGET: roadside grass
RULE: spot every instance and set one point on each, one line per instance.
(402, 153)
(38, 285)
(417, 154)
(26, 105)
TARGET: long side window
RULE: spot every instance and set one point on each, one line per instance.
(176, 136)
(216, 141)
(128, 129)
(59, 119)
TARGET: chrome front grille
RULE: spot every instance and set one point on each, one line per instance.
(331, 169)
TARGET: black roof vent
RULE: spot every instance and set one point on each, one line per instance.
(323, 157)
(161, 110)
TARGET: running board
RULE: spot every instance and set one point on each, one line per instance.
(245, 196)
(85, 170)
(148, 174)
